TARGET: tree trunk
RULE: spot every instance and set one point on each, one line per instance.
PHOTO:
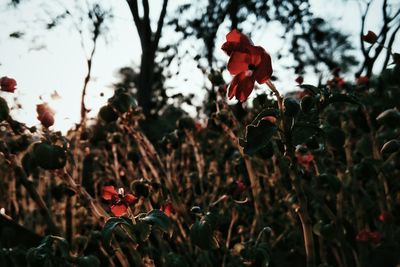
(145, 83)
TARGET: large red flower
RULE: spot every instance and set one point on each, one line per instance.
(119, 201)
(249, 63)
(8, 84)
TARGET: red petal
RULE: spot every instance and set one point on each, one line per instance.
(119, 209)
(245, 86)
(236, 41)
(233, 86)
(238, 62)
(264, 65)
(109, 192)
(363, 236)
(238, 37)
(129, 199)
(375, 237)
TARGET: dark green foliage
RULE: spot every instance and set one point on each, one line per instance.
(49, 157)
(108, 114)
(257, 136)
(4, 110)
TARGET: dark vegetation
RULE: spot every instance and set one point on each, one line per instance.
(306, 179)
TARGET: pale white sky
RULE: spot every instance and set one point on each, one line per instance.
(61, 65)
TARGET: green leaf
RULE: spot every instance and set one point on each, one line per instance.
(310, 88)
(258, 254)
(201, 234)
(335, 136)
(88, 261)
(391, 146)
(265, 112)
(336, 98)
(327, 231)
(141, 230)
(159, 219)
(302, 132)
(389, 117)
(110, 226)
(258, 136)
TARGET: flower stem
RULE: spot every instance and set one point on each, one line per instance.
(303, 210)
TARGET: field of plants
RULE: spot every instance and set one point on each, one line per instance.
(310, 178)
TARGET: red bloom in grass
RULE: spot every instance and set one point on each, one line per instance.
(119, 201)
(305, 160)
(370, 37)
(384, 216)
(45, 115)
(240, 187)
(337, 81)
(247, 62)
(362, 80)
(368, 236)
(167, 208)
(198, 126)
(299, 80)
(8, 84)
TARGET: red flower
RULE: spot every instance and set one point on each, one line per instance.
(119, 201)
(299, 80)
(167, 208)
(198, 126)
(337, 81)
(8, 84)
(368, 236)
(240, 187)
(305, 160)
(45, 115)
(384, 216)
(247, 62)
(370, 37)
(362, 80)
(375, 237)
(363, 236)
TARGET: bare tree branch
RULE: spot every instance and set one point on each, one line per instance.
(160, 24)
(389, 47)
(133, 6)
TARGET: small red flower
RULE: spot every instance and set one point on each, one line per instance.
(167, 208)
(368, 236)
(119, 201)
(375, 237)
(362, 80)
(337, 81)
(370, 37)
(384, 216)
(45, 115)
(363, 236)
(8, 84)
(247, 62)
(198, 126)
(299, 80)
(240, 188)
(305, 160)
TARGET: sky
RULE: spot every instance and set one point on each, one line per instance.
(45, 62)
